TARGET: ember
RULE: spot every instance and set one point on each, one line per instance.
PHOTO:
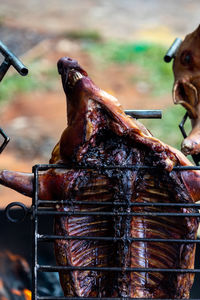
(27, 294)
(15, 277)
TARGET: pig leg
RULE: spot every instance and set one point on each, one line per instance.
(20, 182)
(23, 183)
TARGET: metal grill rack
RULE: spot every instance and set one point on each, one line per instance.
(39, 210)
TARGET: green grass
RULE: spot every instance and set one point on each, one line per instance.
(148, 56)
(37, 79)
(83, 35)
(14, 85)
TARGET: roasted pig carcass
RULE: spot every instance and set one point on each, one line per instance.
(186, 90)
(98, 147)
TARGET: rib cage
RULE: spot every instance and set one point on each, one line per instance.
(156, 255)
(86, 253)
(102, 187)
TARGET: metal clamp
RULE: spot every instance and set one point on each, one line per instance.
(195, 157)
(20, 205)
(181, 125)
(6, 140)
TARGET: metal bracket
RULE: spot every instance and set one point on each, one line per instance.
(195, 157)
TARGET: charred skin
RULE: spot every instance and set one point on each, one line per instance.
(186, 90)
(99, 133)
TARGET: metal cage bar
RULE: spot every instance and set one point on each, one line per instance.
(97, 298)
(44, 207)
(107, 213)
(35, 236)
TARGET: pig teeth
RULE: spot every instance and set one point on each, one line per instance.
(76, 77)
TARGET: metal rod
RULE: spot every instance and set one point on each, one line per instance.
(46, 268)
(97, 298)
(34, 236)
(145, 114)
(114, 203)
(172, 50)
(50, 238)
(13, 60)
(44, 167)
(181, 125)
(4, 68)
(102, 213)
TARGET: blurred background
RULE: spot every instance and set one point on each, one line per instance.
(120, 43)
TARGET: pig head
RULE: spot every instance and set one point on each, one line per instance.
(186, 90)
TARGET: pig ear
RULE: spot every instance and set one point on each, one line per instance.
(186, 94)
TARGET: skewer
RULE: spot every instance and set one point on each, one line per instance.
(145, 114)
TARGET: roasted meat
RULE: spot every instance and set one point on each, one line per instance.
(186, 89)
(106, 153)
